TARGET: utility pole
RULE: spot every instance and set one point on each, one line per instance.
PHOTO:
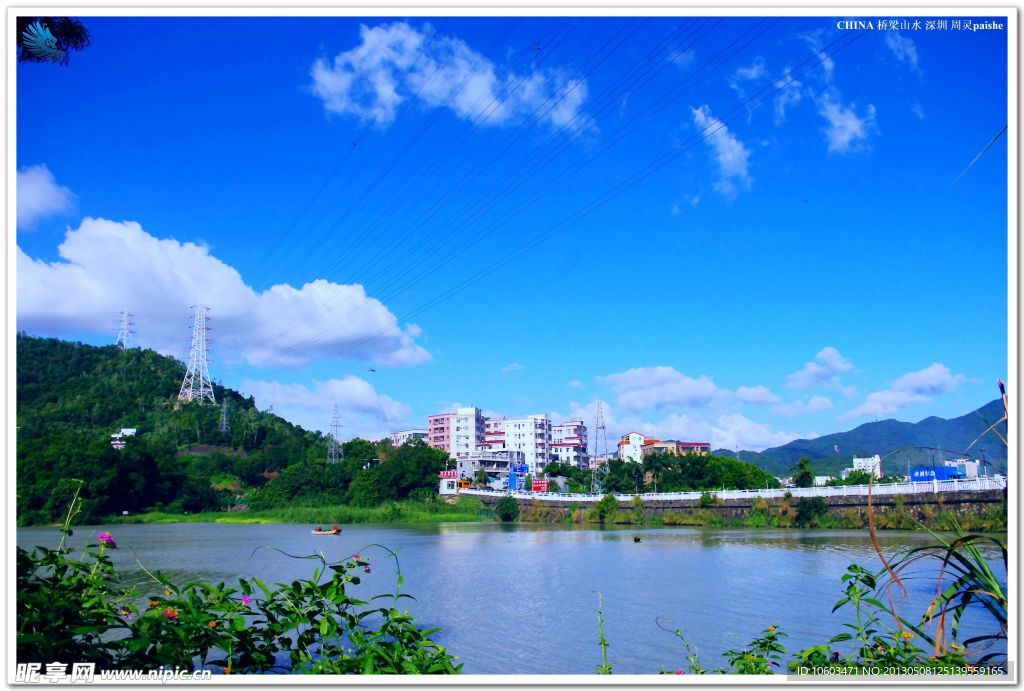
(334, 451)
(197, 385)
(224, 425)
(125, 331)
(598, 471)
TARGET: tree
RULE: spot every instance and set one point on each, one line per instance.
(804, 474)
(655, 464)
(507, 509)
(480, 477)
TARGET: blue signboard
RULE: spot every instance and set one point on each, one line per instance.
(929, 473)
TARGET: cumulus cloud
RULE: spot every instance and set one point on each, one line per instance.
(652, 387)
(846, 131)
(903, 49)
(725, 431)
(108, 266)
(913, 387)
(732, 157)
(811, 405)
(39, 196)
(364, 412)
(513, 367)
(395, 63)
(758, 395)
(822, 371)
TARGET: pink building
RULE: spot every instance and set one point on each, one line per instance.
(456, 432)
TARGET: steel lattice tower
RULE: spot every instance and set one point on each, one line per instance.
(334, 450)
(224, 425)
(599, 470)
(125, 331)
(197, 386)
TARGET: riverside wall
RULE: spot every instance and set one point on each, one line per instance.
(920, 506)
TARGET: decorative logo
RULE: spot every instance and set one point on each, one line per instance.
(38, 41)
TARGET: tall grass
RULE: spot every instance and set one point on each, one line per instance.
(465, 509)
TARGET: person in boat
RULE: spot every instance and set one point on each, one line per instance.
(318, 529)
(336, 528)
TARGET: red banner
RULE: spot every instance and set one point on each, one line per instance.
(449, 474)
(540, 485)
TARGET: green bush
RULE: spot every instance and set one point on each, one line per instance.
(507, 509)
(809, 512)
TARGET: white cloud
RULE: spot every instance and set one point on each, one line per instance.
(575, 384)
(107, 267)
(813, 39)
(396, 62)
(823, 371)
(755, 72)
(726, 431)
(364, 412)
(758, 395)
(40, 196)
(913, 387)
(788, 96)
(513, 367)
(812, 405)
(934, 379)
(684, 59)
(846, 129)
(903, 48)
(732, 157)
(918, 111)
(652, 387)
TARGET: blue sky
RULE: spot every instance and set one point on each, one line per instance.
(734, 230)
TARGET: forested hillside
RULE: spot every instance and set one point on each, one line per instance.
(71, 397)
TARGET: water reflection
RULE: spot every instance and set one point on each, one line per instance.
(522, 599)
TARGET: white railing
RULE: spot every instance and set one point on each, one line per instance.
(886, 489)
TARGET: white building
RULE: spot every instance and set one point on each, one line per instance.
(530, 435)
(631, 447)
(399, 438)
(569, 443)
(872, 465)
(966, 467)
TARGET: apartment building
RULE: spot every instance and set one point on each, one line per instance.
(399, 438)
(569, 443)
(462, 430)
(674, 447)
(530, 435)
(631, 447)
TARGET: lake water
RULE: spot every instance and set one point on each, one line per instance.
(523, 599)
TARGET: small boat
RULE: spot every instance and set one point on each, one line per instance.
(335, 530)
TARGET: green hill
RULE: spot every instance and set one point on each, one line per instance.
(886, 436)
(71, 397)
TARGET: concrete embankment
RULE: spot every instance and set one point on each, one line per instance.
(894, 511)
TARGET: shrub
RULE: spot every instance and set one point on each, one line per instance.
(809, 510)
(507, 509)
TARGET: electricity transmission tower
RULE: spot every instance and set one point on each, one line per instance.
(197, 386)
(599, 470)
(125, 332)
(224, 425)
(334, 450)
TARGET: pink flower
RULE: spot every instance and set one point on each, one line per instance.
(680, 671)
(171, 613)
(246, 600)
(357, 556)
(107, 539)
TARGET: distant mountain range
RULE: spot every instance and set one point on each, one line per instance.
(884, 437)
